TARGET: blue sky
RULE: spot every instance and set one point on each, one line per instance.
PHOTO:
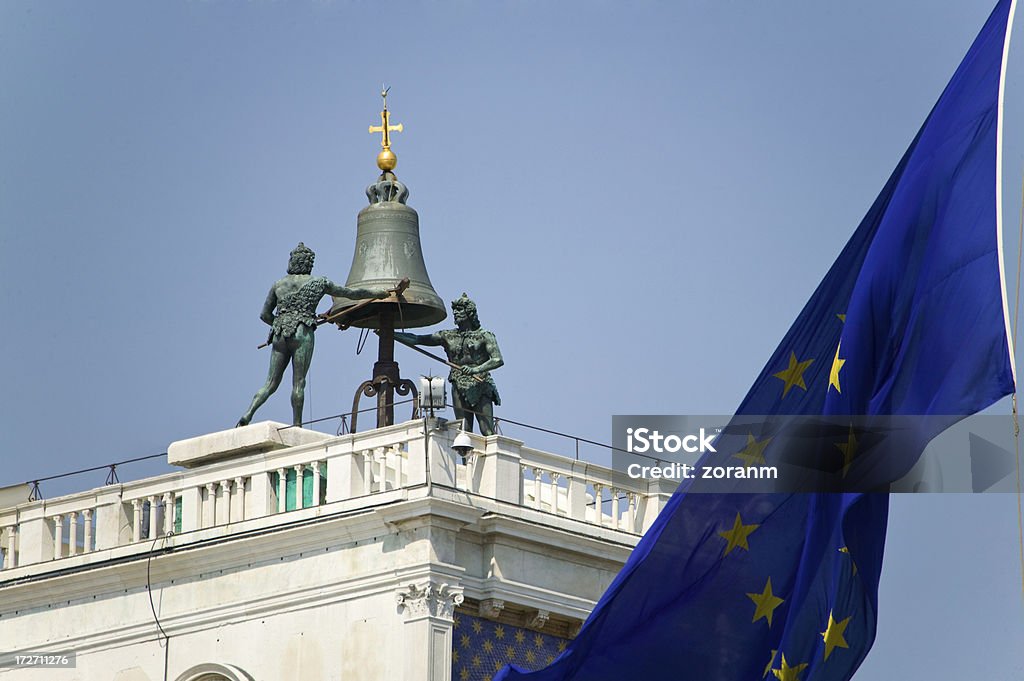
(639, 196)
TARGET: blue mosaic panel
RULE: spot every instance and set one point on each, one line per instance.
(481, 647)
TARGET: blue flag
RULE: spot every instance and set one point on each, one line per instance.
(909, 321)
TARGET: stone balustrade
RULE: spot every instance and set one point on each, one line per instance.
(326, 474)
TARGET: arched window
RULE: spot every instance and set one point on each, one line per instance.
(214, 672)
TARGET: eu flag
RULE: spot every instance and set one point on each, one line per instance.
(909, 321)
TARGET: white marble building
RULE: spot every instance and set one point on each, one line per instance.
(230, 569)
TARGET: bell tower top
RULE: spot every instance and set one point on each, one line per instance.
(386, 159)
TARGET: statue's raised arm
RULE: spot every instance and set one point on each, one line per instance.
(290, 310)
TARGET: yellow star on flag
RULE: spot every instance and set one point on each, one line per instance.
(837, 364)
(771, 662)
(842, 316)
(787, 673)
(766, 603)
(833, 634)
(846, 550)
(849, 450)
(753, 453)
(793, 374)
(737, 536)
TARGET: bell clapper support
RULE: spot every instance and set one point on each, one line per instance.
(396, 292)
(327, 318)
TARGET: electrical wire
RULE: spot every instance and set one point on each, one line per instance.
(149, 591)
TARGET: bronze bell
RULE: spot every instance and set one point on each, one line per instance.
(388, 249)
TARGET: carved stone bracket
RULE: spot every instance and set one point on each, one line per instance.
(538, 619)
(429, 600)
(491, 608)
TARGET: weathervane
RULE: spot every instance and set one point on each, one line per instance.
(386, 159)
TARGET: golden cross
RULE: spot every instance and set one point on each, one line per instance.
(385, 126)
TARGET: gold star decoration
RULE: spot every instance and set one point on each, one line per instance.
(793, 374)
(837, 365)
(753, 453)
(833, 634)
(846, 550)
(464, 674)
(765, 603)
(842, 316)
(787, 673)
(770, 664)
(849, 450)
(737, 535)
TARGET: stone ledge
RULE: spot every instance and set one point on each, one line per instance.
(252, 439)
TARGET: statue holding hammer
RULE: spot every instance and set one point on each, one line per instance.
(295, 298)
(472, 354)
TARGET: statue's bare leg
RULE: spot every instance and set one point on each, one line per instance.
(485, 417)
(461, 414)
(278, 362)
(300, 366)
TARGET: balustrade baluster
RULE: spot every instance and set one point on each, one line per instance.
(88, 541)
(210, 510)
(300, 471)
(72, 533)
(554, 492)
(615, 507)
(282, 487)
(367, 456)
(240, 498)
(136, 520)
(154, 527)
(58, 536)
(168, 501)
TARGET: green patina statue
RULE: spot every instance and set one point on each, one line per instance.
(291, 337)
(475, 351)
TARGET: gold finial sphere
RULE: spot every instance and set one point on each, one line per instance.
(386, 160)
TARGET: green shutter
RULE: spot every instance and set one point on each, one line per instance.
(307, 487)
(289, 490)
(290, 503)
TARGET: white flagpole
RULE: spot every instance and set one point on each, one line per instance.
(999, 186)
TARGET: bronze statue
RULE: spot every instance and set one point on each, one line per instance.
(475, 351)
(291, 337)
